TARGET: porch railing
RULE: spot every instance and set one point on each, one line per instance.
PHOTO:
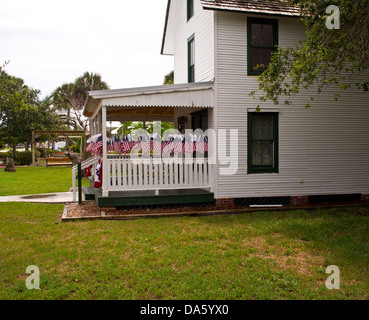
(156, 174)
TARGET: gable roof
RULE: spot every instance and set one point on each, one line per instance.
(266, 7)
(274, 7)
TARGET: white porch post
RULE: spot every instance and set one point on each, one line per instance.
(105, 173)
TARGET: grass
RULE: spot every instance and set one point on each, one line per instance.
(36, 180)
(264, 255)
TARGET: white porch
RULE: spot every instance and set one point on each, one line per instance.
(160, 103)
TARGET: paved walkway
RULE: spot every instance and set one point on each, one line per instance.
(60, 197)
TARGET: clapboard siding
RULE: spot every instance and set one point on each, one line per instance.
(322, 150)
(201, 25)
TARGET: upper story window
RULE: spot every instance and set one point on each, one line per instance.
(190, 9)
(262, 35)
(191, 58)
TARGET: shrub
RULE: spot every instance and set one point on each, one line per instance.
(25, 158)
(41, 151)
(22, 158)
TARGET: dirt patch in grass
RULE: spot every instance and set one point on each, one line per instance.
(288, 254)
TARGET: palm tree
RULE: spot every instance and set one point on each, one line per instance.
(169, 78)
(71, 97)
(90, 81)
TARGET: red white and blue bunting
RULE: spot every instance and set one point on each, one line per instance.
(174, 144)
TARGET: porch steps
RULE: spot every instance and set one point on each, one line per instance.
(89, 193)
(148, 198)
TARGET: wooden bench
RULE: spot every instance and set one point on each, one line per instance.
(58, 161)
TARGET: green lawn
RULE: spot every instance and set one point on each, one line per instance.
(35, 180)
(265, 255)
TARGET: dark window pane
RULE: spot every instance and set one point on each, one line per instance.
(256, 153)
(255, 57)
(204, 123)
(266, 56)
(191, 60)
(262, 126)
(267, 153)
(196, 123)
(189, 9)
(267, 35)
(256, 35)
(262, 153)
(191, 75)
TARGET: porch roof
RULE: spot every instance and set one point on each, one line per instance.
(199, 95)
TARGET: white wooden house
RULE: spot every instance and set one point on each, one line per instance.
(294, 153)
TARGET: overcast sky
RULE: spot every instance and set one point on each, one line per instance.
(50, 42)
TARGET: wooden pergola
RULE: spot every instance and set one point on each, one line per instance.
(63, 133)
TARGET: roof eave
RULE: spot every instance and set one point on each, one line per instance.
(95, 97)
(165, 29)
(275, 13)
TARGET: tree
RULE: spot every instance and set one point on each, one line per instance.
(169, 78)
(129, 126)
(21, 111)
(327, 57)
(71, 97)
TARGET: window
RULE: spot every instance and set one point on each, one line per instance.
(190, 9)
(191, 59)
(262, 35)
(199, 120)
(262, 142)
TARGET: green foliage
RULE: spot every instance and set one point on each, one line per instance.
(71, 97)
(77, 147)
(129, 126)
(169, 78)
(21, 111)
(327, 57)
(23, 158)
(40, 152)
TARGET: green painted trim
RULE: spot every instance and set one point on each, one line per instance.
(274, 23)
(155, 200)
(251, 169)
(190, 75)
